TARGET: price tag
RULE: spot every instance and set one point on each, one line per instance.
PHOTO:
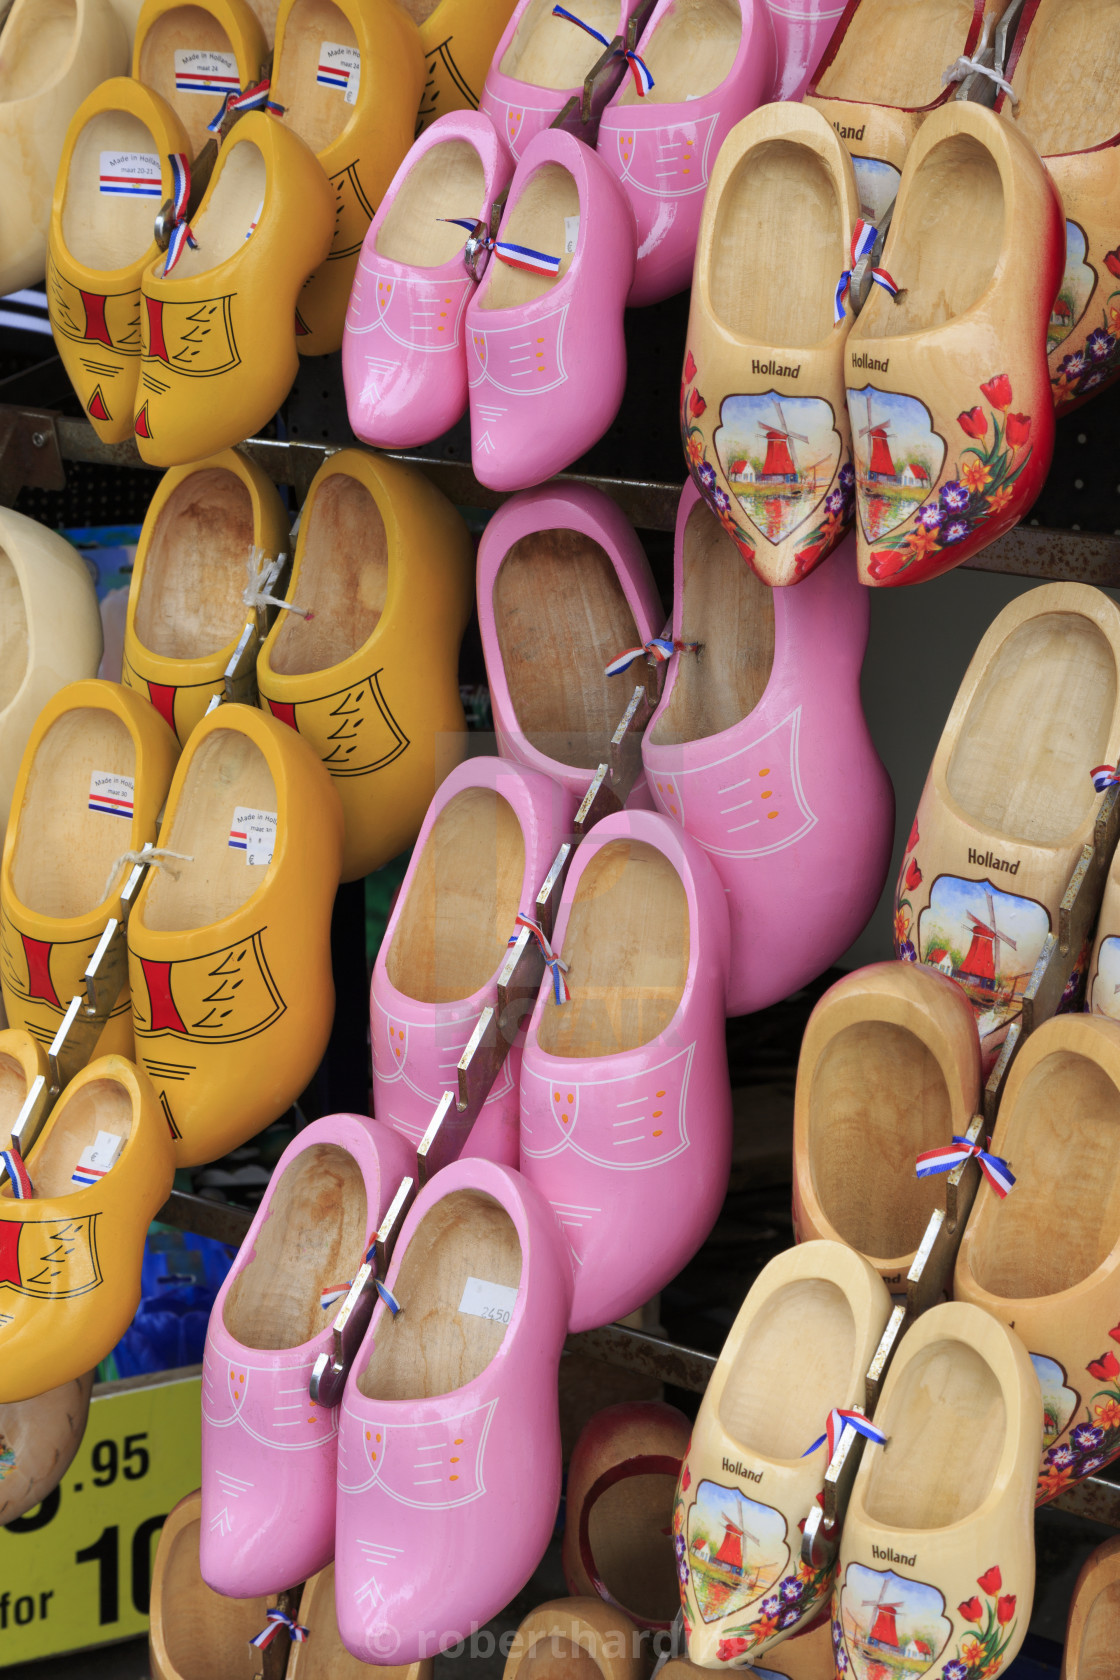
(213, 73)
(340, 67)
(111, 794)
(131, 175)
(571, 235)
(96, 1160)
(254, 833)
(495, 1301)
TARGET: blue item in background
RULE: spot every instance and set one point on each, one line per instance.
(180, 1276)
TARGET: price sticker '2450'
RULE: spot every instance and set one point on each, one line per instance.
(494, 1301)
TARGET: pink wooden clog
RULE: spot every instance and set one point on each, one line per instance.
(403, 362)
(487, 843)
(760, 750)
(449, 1430)
(546, 357)
(625, 1093)
(802, 31)
(268, 1450)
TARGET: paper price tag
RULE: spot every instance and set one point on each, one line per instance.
(571, 234)
(130, 175)
(111, 794)
(213, 73)
(340, 67)
(254, 833)
(495, 1301)
(97, 1159)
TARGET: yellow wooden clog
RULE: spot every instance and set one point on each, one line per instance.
(459, 38)
(229, 957)
(349, 74)
(114, 176)
(22, 1061)
(194, 55)
(186, 607)
(218, 333)
(70, 1254)
(93, 780)
(365, 665)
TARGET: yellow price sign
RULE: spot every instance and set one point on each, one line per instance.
(76, 1570)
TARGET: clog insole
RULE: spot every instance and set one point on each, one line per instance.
(105, 231)
(446, 180)
(313, 110)
(550, 52)
(1100, 1639)
(689, 53)
(13, 633)
(886, 59)
(561, 616)
(1066, 79)
(729, 611)
(100, 1105)
(205, 1633)
(190, 602)
(189, 29)
(794, 1363)
(627, 948)
(37, 41)
(312, 1240)
(1043, 710)
(542, 221)
(460, 908)
(233, 205)
(13, 1090)
(778, 247)
(432, 1348)
(341, 579)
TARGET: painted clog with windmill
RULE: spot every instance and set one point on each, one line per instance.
(1102, 991)
(794, 1361)
(948, 385)
(1009, 801)
(764, 420)
(198, 56)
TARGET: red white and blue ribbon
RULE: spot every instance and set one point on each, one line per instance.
(334, 1292)
(468, 222)
(882, 278)
(560, 989)
(255, 98)
(523, 256)
(639, 69)
(13, 1164)
(278, 1620)
(659, 650)
(995, 1169)
(864, 236)
(840, 1419)
(181, 234)
(388, 1297)
(1104, 777)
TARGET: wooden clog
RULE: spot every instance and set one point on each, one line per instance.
(186, 607)
(114, 175)
(622, 1480)
(1093, 1629)
(936, 1569)
(194, 54)
(365, 664)
(807, 1656)
(1046, 1260)
(1008, 802)
(1102, 991)
(323, 1656)
(889, 1067)
(948, 385)
(764, 420)
(348, 74)
(38, 1440)
(459, 38)
(575, 1639)
(128, 11)
(195, 1632)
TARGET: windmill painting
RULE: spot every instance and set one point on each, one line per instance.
(779, 456)
(737, 1549)
(1078, 284)
(877, 185)
(898, 457)
(988, 941)
(893, 1629)
(1059, 1401)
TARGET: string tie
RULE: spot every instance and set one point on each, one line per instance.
(972, 66)
(263, 573)
(840, 1419)
(278, 1620)
(13, 1164)
(157, 856)
(639, 69)
(996, 1170)
(658, 651)
(181, 235)
(560, 988)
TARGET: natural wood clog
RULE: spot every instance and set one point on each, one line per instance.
(889, 1067)
(618, 1539)
(948, 385)
(936, 1569)
(459, 38)
(322, 1655)
(186, 607)
(807, 1656)
(1093, 1629)
(1046, 1260)
(129, 11)
(1008, 802)
(38, 1440)
(195, 1632)
(194, 54)
(575, 1639)
(764, 420)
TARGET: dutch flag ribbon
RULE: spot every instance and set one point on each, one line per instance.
(1104, 777)
(523, 256)
(639, 69)
(277, 1620)
(559, 968)
(840, 1419)
(13, 1164)
(659, 651)
(882, 278)
(864, 236)
(255, 98)
(181, 234)
(995, 1170)
(388, 1297)
(334, 1292)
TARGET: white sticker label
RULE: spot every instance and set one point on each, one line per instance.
(212, 73)
(495, 1301)
(96, 1160)
(131, 175)
(571, 234)
(254, 833)
(111, 794)
(340, 67)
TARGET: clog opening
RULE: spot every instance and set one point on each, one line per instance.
(315, 109)
(38, 42)
(63, 849)
(446, 180)
(13, 1089)
(1043, 710)
(102, 226)
(631, 1543)
(1063, 1134)
(227, 772)
(878, 1098)
(774, 1401)
(627, 949)
(730, 612)
(545, 219)
(946, 1426)
(184, 29)
(550, 52)
(190, 600)
(882, 60)
(13, 633)
(233, 208)
(342, 582)
(313, 1240)
(781, 198)
(434, 1347)
(561, 616)
(1072, 44)
(957, 185)
(553, 1657)
(204, 1633)
(690, 53)
(100, 1105)
(1100, 1640)
(455, 923)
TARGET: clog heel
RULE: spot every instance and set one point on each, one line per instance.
(322, 1655)
(114, 175)
(194, 1631)
(198, 55)
(575, 1639)
(755, 1464)
(937, 1549)
(38, 1440)
(90, 788)
(194, 565)
(1093, 1629)
(948, 386)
